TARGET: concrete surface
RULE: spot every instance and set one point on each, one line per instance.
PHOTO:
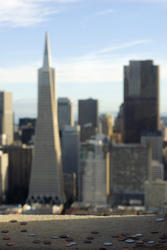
(79, 227)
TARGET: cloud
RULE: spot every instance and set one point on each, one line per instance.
(99, 66)
(83, 71)
(104, 12)
(28, 12)
(57, 1)
(147, 1)
(119, 47)
(68, 71)
(97, 14)
(21, 74)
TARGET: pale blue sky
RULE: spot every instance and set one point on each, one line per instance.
(90, 42)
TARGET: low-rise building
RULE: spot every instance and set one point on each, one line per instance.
(130, 167)
(156, 195)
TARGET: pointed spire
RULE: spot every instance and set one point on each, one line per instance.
(46, 59)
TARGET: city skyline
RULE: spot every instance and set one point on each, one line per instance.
(103, 36)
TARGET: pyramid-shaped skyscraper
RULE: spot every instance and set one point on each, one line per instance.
(46, 183)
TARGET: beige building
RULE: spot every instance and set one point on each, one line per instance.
(46, 183)
(165, 134)
(156, 195)
(6, 117)
(3, 175)
(157, 170)
(107, 123)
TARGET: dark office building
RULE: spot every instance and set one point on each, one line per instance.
(27, 129)
(19, 170)
(141, 100)
(88, 118)
(27, 122)
(70, 149)
(70, 157)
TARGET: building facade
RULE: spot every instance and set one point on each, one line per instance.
(156, 195)
(70, 157)
(141, 100)
(3, 175)
(130, 168)
(106, 123)
(65, 112)
(94, 174)
(6, 117)
(157, 170)
(47, 182)
(19, 171)
(118, 125)
(70, 149)
(27, 130)
(156, 142)
(88, 118)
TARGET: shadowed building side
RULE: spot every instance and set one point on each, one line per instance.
(141, 100)
(88, 118)
(47, 183)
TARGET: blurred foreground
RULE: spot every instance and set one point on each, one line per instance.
(83, 232)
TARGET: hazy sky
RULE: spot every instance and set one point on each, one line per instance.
(90, 42)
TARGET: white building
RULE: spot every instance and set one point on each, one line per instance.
(94, 174)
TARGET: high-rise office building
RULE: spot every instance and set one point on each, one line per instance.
(70, 157)
(70, 149)
(6, 117)
(141, 100)
(88, 118)
(46, 184)
(94, 173)
(65, 112)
